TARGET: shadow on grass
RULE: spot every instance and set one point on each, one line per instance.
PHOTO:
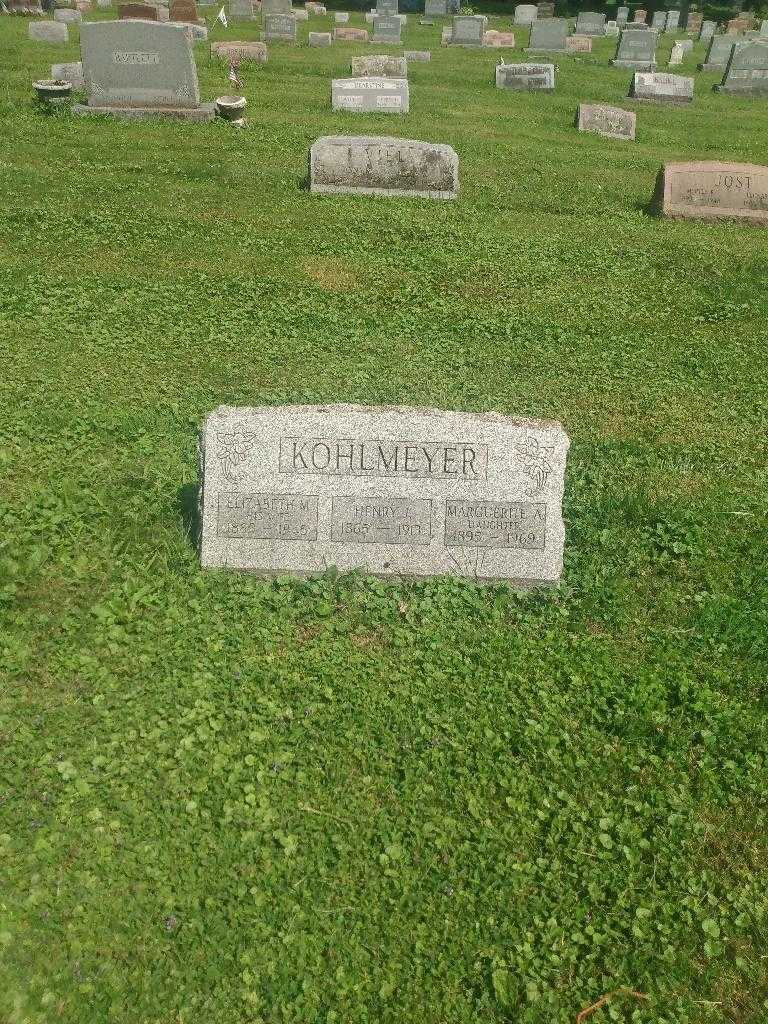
(188, 507)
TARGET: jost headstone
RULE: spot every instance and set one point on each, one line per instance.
(136, 69)
(713, 190)
(549, 36)
(590, 23)
(610, 122)
(526, 77)
(636, 50)
(389, 490)
(747, 70)
(370, 95)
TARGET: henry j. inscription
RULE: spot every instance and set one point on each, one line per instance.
(392, 490)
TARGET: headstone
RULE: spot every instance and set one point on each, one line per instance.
(183, 11)
(718, 53)
(468, 30)
(275, 7)
(612, 28)
(764, 28)
(707, 31)
(48, 32)
(661, 88)
(694, 22)
(241, 10)
(622, 15)
(526, 77)
(366, 95)
(525, 14)
(579, 44)
(659, 21)
(240, 51)
(417, 55)
(499, 40)
(436, 8)
(136, 69)
(673, 21)
(300, 14)
(341, 17)
(320, 38)
(446, 35)
(387, 8)
(387, 29)
(610, 122)
(636, 50)
(279, 26)
(676, 56)
(383, 166)
(545, 10)
(69, 73)
(747, 70)
(379, 65)
(640, 16)
(737, 25)
(713, 190)
(549, 36)
(297, 489)
(68, 17)
(137, 12)
(349, 35)
(590, 23)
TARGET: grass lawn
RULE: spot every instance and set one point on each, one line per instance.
(226, 799)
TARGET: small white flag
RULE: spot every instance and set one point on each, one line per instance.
(221, 16)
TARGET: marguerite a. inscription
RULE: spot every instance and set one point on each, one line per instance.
(392, 490)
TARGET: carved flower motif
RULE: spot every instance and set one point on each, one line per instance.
(536, 464)
(232, 449)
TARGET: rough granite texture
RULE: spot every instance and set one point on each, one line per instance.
(366, 95)
(713, 190)
(240, 51)
(610, 122)
(390, 490)
(380, 165)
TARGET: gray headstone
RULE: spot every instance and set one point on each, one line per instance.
(379, 65)
(676, 56)
(320, 39)
(48, 31)
(241, 10)
(297, 489)
(417, 55)
(764, 28)
(545, 9)
(366, 95)
(622, 15)
(69, 17)
(300, 14)
(549, 35)
(659, 21)
(279, 26)
(590, 23)
(436, 8)
(525, 14)
(612, 28)
(713, 190)
(636, 50)
(707, 30)
(383, 166)
(661, 88)
(387, 8)
(468, 29)
(387, 29)
(747, 70)
(718, 53)
(610, 122)
(138, 68)
(275, 7)
(673, 21)
(341, 17)
(526, 77)
(69, 73)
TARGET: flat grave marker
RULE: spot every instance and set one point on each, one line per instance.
(713, 190)
(610, 122)
(526, 77)
(658, 87)
(370, 95)
(389, 490)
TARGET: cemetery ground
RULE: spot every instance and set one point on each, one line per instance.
(225, 798)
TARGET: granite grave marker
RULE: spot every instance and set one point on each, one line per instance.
(379, 165)
(713, 190)
(366, 95)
